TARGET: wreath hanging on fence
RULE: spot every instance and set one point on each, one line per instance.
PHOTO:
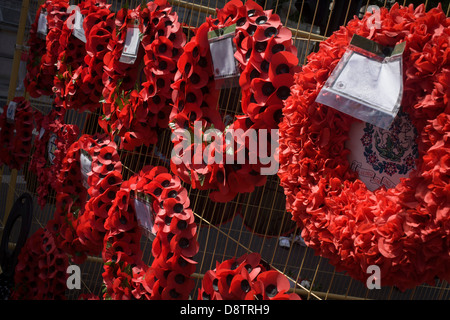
(403, 230)
(37, 83)
(41, 66)
(41, 270)
(78, 83)
(174, 246)
(87, 183)
(50, 147)
(16, 134)
(136, 97)
(267, 61)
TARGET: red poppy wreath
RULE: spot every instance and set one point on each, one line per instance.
(404, 230)
(90, 170)
(37, 83)
(98, 28)
(133, 107)
(126, 275)
(16, 134)
(267, 61)
(41, 269)
(41, 68)
(75, 82)
(50, 147)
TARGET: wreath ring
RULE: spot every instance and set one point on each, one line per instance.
(404, 230)
(133, 108)
(88, 181)
(47, 164)
(15, 138)
(173, 248)
(267, 61)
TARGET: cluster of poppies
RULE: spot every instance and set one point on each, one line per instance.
(91, 169)
(50, 146)
(245, 278)
(173, 248)
(40, 72)
(405, 230)
(137, 96)
(77, 71)
(267, 62)
(16, 134)
(41, 269)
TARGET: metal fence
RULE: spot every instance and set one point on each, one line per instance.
(222, 227)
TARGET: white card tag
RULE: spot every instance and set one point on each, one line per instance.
(225, 65)
(51, 148)
(144, 215)
(85, 167)
(223, 58)
(131, 47)
(11, 112)
(41, 133)
(371, 81)
(42, 25)
(367, 83)
(78, 30)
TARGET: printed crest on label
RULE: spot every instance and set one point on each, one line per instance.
(382, 157)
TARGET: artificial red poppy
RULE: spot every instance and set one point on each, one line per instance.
(274, 283)
(282, 62)
(241, 285)
(272, 29)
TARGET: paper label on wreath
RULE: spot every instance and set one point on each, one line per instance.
(41, 133)
(367, 83)
(382, 157)
(42, 25)
(11, 111)
(51, 148)
(144, 215)
(222, 50)
(78, 30)
(131, 47)
(85, 167)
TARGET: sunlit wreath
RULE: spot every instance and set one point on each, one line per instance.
(137, 98)
(267, 61)
(403, 230)
(174, 245)
(78, 83)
